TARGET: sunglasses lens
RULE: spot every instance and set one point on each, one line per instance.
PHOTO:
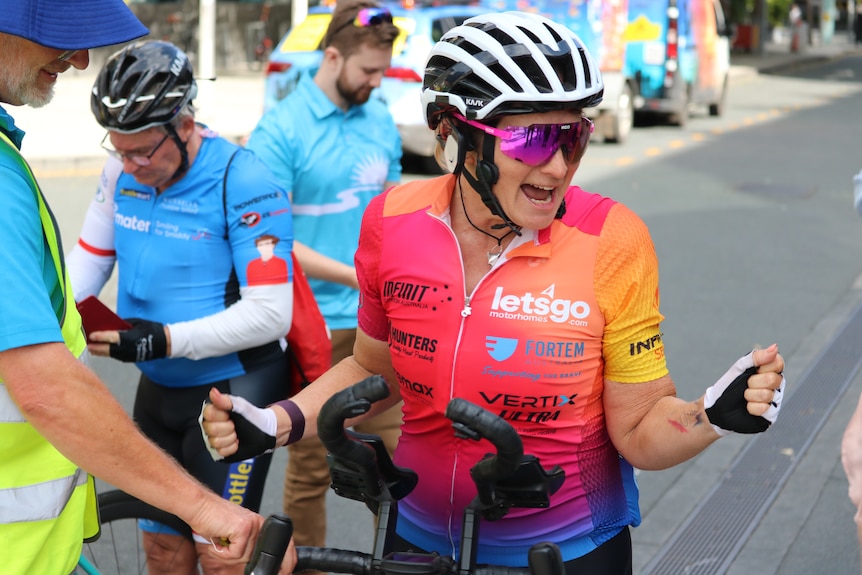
(372, 17)
(534, 145)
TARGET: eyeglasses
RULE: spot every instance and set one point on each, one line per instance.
(142, 160)
(536, 144)
(67, 54)
(368, 17)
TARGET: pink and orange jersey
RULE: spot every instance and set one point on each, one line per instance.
(563, 309)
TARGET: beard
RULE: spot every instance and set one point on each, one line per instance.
(353, 96)
(22, 81)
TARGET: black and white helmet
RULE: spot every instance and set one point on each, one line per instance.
(509, 63)
(143, 85)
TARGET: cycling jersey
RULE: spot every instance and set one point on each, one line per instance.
(332, 162)
(563, 309)
(188, 252)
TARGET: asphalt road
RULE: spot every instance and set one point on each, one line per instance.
(758, 242)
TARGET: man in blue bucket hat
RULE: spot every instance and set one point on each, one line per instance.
(58, 422)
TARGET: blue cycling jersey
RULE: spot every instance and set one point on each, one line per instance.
(333, 162)
(185, 253)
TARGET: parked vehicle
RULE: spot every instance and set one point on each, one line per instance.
(600, 24)
(299, 52)
(679, 53)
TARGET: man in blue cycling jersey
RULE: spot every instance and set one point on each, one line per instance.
(57, 419)
(181, 212)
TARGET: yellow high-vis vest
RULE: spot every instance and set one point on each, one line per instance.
(47, 503)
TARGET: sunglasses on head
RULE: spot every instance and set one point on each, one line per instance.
(536, 144)
(368, 17)
(372, 17)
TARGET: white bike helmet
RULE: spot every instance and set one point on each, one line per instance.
(508, 63)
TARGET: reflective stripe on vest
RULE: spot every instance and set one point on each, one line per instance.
(40, 501)
(9, 412)
(62, 480)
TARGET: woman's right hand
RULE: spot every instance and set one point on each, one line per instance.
(234, 430)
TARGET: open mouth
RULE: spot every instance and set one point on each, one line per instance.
(538, 195)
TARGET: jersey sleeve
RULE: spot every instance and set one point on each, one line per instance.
(92, 258)
(627, 290)
(371, 317)
(260, 223)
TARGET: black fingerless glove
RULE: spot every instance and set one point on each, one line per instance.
(726, 406)
(145, 341)
(730, 410)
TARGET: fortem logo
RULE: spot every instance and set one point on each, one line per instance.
(539, 308)
(500, 348)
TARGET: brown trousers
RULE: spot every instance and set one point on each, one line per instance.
(306, 480)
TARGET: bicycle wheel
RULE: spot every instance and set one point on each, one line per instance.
(120, 550)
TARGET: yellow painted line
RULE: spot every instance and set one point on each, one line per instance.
(653, 151)
(676, 144)
(698, 137)
(624, 161)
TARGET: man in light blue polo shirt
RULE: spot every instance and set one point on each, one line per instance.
(333, 149)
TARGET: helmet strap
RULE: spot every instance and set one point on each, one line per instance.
(181, 146)
(487, 174)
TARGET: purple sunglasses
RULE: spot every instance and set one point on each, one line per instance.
(536, 144)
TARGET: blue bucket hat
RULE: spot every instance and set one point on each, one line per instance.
(71, 24)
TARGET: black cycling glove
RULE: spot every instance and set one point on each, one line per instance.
(726, 406)
(255, 430)
(145, 341)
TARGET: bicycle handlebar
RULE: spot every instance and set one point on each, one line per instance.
(278, 529)
(358, 563)
(347, 403)
(361, 469)
(271, 546)
(473, 422)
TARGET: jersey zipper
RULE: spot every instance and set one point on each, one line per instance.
(466, 311)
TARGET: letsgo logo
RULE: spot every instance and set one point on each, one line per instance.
(540, 308)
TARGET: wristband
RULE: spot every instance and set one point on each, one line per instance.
(297, 420)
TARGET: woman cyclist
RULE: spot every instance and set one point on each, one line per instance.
(201, 233)
(504, 285)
